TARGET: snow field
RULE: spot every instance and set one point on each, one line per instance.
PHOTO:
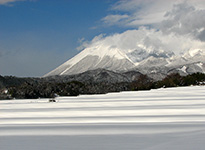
(172, 118)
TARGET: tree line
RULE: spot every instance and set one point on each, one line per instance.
(32, 88)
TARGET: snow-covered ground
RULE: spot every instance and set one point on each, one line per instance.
(162, 119)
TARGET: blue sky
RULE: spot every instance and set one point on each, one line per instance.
(36, 36)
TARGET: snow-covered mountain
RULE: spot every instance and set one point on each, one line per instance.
(93, 58)
(156, 64)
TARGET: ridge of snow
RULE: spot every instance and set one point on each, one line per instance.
(125, 56)
(183, 69)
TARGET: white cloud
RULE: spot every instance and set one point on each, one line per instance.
(146, 41)
(8, 2)
(145, 12)
(142, 12)
(175, 26)
(185, 19)
(84, 43)
(113, 19)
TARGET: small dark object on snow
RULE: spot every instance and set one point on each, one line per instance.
(52, 100)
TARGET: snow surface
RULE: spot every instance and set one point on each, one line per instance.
(183, 69)
(162, 119)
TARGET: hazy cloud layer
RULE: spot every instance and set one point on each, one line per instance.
(113, 19)
(144, 12)
(161, 26)
(6, 2)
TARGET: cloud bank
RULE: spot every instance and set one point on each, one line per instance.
(185, 19)
(155, 26)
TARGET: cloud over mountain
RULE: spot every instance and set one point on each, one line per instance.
(155, 26)
(168, 35)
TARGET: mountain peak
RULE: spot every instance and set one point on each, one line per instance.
(93, 58)
(121, 60)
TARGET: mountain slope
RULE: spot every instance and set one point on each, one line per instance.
(94, 58)
(155, 64)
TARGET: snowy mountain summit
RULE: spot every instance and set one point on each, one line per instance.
(93, 58)
(146, 61)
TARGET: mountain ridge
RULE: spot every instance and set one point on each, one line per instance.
(117, 60)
